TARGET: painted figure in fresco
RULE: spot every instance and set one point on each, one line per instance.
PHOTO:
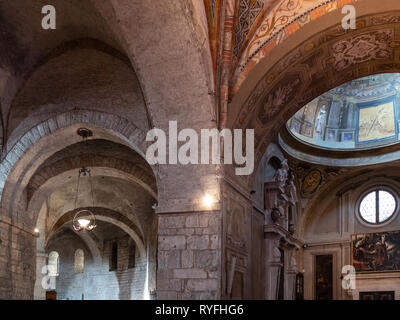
(320, 123)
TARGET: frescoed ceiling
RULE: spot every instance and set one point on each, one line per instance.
(258, 27)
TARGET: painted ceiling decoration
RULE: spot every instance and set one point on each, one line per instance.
(360, 114)
(276, 26)
(259, 26)
(248, 12)
(275, 98)
(213, 11)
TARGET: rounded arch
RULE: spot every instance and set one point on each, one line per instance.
(133, 214)
(354, 184)
(83, 77)
(275, 89)
(106, 215)
(24, 159)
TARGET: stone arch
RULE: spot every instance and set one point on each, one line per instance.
(277, 88)
(36, 144)
(86, 77)
(109, 216)
(130, 214)
(133, 170)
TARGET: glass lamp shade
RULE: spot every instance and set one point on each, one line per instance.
(84, 220)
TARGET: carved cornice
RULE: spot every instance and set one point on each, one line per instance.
(284, 236)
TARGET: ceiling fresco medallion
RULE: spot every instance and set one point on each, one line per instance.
(311, 182)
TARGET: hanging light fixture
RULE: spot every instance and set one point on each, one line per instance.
(84, 219)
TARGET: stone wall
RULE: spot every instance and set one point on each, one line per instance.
(17, 261)
(189, 256)
(97, 281)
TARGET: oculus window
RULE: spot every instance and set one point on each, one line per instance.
(377, 206)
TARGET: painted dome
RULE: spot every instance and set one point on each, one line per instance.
(356, 115)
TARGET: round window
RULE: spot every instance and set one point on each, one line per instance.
(377, 206)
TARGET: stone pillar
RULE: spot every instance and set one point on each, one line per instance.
(41, 261)
(272, 265)
(189, 255)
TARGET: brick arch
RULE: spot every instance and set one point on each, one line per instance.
(139, 174)
(312, 66)
(38, 143)
(107, 215)
(138, 214)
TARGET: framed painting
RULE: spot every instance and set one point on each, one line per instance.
(347, 136)
(331, 135)
(376, 122)
(376, 252)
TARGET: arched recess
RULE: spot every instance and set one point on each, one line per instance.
(352, 183)
(276, 88)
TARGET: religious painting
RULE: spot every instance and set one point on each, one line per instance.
(311, 181)
(347, 136)
(331, 135)
(376, 252)
(376, 122)
(377, 295)
(324, 277)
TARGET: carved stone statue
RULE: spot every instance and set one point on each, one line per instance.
(290, 189)
(276, 215)
(281, 175)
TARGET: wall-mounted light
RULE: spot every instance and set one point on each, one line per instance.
(36, 230)
(208, 200)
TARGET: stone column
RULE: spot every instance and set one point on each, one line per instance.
(272, 265)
